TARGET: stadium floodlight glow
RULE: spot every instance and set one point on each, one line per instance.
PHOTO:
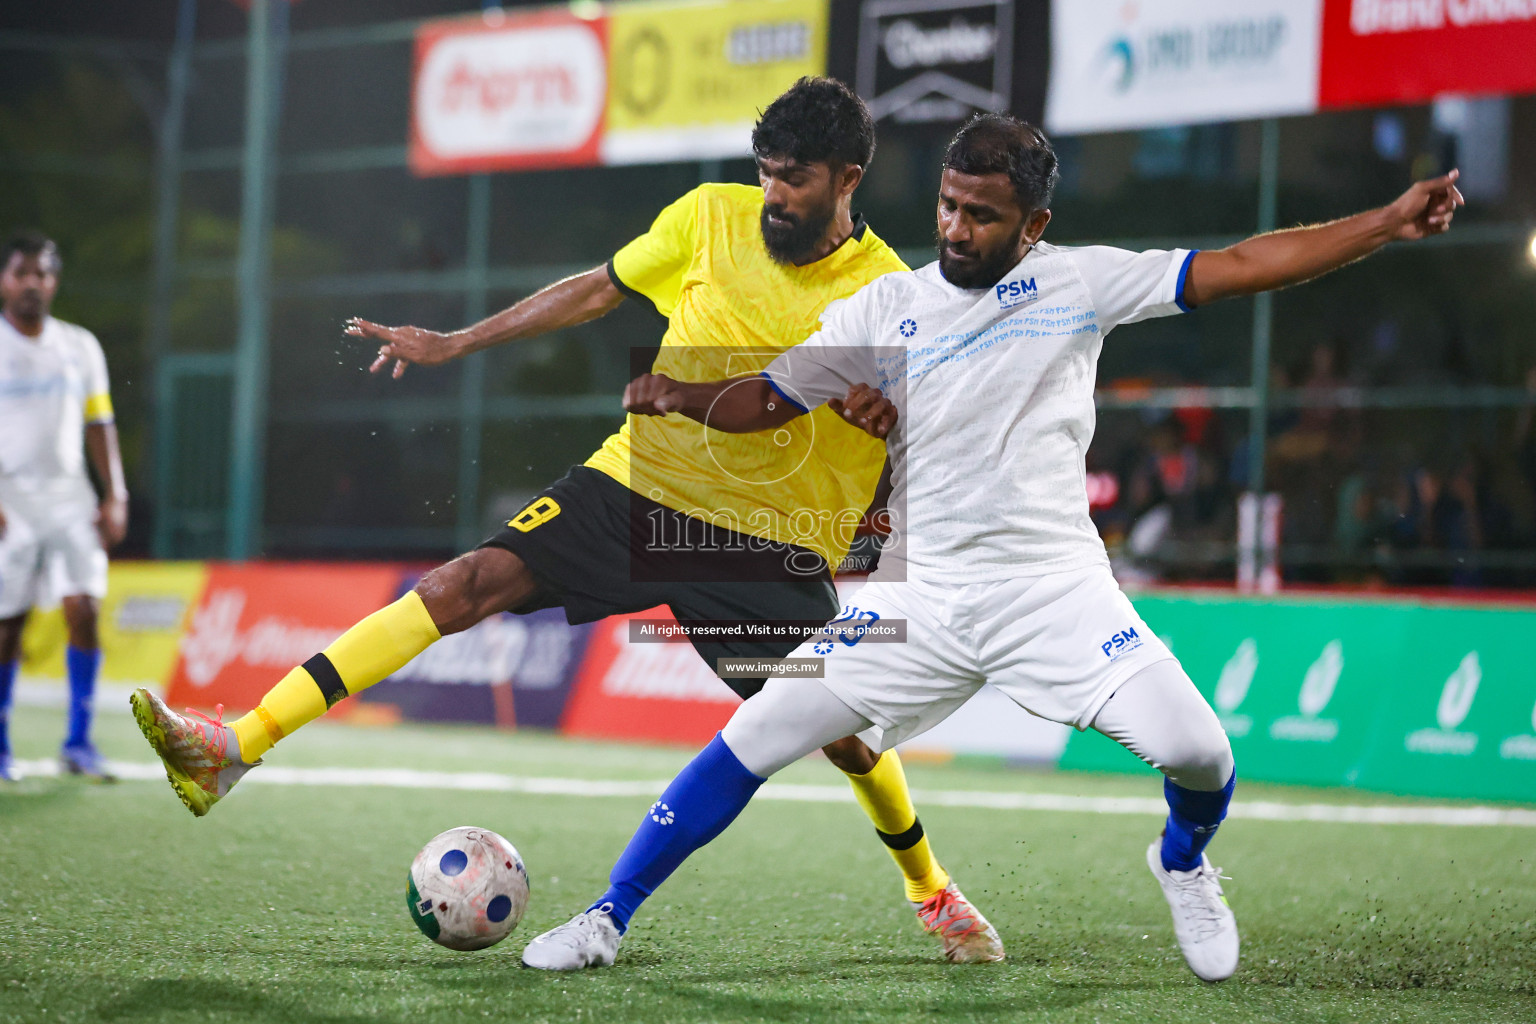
(1530, 250)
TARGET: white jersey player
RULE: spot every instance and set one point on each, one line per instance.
(979, 370)
(55, 406)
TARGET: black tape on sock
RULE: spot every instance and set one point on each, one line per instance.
(327, 678)
(903, 840)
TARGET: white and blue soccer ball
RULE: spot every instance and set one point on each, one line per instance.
(467, 888)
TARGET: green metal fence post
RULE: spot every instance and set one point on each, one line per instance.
(253, 281)
(167, 213)
(1263, 306)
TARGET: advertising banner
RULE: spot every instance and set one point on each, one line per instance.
(509, 670)
(926, 65)
(1387, 695)
(648, 81)
(1460, 720)
(686, 80)
(255, 621)
(657, 692)
(141, 623)
(1117, 65)
(507, 91)
(935, 60)
(1409, 51)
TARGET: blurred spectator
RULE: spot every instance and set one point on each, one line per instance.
(1395, 498)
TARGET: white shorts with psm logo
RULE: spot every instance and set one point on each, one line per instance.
(44, 561)
(1057, 645)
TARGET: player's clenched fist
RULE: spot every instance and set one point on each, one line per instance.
(1426, 208)
(653, 394)
(868, 409)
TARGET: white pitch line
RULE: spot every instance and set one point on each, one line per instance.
(491, 782)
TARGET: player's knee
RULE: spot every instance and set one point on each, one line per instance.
(10, 637)
(852, 755)
(449, 593)
(80, 620)
(1202, 763)
(473, 587)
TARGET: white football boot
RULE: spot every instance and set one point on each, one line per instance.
(968, 936)
(1202, 921)
(590, 939)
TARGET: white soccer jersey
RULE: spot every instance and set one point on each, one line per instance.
(995, 393)
(51, 386)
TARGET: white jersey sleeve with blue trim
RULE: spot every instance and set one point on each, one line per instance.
(829, 362)
(1129, 286)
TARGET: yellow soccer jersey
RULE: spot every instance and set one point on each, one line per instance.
(731, 309)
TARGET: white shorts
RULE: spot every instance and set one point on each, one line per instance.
(44, 561)
(1057, 645)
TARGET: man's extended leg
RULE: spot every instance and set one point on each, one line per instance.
(82, 663)
(205, 758)
(880, 785)
(781, 724)
(1160, 717)
(878, 781)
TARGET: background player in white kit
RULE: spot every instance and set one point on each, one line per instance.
(989, 357)
(55, 406)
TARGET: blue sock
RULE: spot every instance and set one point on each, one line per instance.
(1193, 817)
(82, 666)
(7, 680)
(706, 796)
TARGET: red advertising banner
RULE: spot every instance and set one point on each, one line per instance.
(508, 91)
(254, 622)
(657, 692)
(1377, 52)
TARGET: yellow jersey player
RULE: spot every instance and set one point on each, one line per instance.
(722, 529)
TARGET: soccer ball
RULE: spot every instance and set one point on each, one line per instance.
(467, 888)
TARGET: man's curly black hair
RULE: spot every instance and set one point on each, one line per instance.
(30, 243)
(1001, 144)
(818, 120)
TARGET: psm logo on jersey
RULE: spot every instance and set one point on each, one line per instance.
(908, 327)
(849, 627)
(1122, 642)
(1011, 293)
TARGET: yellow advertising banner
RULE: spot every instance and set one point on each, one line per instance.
(686, 80)
(142, 619)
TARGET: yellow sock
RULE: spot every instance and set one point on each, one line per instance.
(368, 652)
(883, 794)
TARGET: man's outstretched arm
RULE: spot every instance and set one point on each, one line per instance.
(748, 404)
(1283, 258)
(566, 303)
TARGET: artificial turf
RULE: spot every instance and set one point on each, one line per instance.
(287, 902)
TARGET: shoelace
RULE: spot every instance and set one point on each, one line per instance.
(1201, 896)
(583, 927)
(220, 740)
(945, 901)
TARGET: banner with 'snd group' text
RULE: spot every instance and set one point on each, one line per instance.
(1117, 65)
